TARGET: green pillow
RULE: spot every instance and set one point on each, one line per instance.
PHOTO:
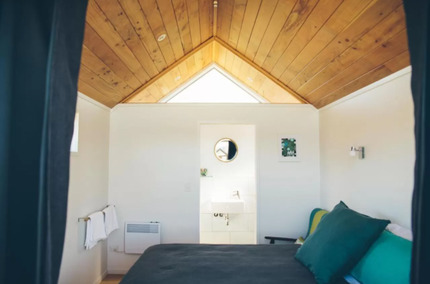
(340, 240)
(387, 261)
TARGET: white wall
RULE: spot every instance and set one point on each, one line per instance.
(223, 178)
(154, 169)
(381, 119)
(88, 192)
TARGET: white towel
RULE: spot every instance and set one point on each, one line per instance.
(95, 230)
(111, 221)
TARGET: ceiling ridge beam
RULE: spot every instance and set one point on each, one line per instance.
(261, 70)
(167, 70)
(215, 17)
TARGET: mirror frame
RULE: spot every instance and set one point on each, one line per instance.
(235, 144)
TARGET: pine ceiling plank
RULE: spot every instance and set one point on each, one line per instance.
(158, 90)
(178, 62)
(303, 48)
(149, 95)
(295, 20)
(264, 16)
(89, 91)
(229, 60)
(215, 54)
(237, 65)
(183, 70)
(323, 10)
(251, 11)
(89, 77)
(102, 26)
(397, 63)
(254, 79)
(137, 19)
(371, 16)
(152, 14)
(194, 21)
(225, 13)
(236, 22)
(263, 86)
(208, 54)
(180, 8)
(145, 97)
(191, 64)
(389, 48)
(387, 28)
(282, 11)
(206, 15)
(153, 63)
(261, 70)
(166, 84)
(176, 74)
(370, 77)
(102, 70)
(169, 19)
(184, 75)
(118, 86)
(94, 43)
(276, 95)
(376, 57)
(198, 61)
(220, 54)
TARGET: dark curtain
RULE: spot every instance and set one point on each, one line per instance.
(417, 19)
(40, 49)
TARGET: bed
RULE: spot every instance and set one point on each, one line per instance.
(200, 263)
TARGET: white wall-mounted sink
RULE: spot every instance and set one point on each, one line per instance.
(227, 206)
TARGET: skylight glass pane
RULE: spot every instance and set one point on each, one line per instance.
(213, 87)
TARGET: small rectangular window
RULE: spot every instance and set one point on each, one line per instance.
(75, 139)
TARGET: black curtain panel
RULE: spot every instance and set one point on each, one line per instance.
(417, 19)
(40, 49)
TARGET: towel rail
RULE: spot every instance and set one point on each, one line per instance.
(85, 219)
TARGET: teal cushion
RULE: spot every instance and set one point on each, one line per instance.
(340, 240)
(387, 261)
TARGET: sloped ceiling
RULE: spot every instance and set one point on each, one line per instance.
(289, 51)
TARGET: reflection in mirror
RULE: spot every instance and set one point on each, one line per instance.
(226, 150)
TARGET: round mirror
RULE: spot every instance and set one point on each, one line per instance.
(226, 150)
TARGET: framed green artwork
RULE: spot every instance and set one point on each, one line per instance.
(289, 148)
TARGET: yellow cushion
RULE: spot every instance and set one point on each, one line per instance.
(316, 220)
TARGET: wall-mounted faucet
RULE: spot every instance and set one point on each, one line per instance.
(236, 193)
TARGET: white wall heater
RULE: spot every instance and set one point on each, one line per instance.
(138, 236)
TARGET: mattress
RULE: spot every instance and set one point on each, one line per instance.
(199, 263)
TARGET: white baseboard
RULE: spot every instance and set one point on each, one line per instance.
(101, 277)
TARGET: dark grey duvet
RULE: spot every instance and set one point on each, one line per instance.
(206, 264)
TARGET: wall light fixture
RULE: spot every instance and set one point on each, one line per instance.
(354, 150)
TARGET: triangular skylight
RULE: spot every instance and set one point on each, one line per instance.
(213, 86)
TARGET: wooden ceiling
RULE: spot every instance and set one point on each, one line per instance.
(289, 51)
(212, 52)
